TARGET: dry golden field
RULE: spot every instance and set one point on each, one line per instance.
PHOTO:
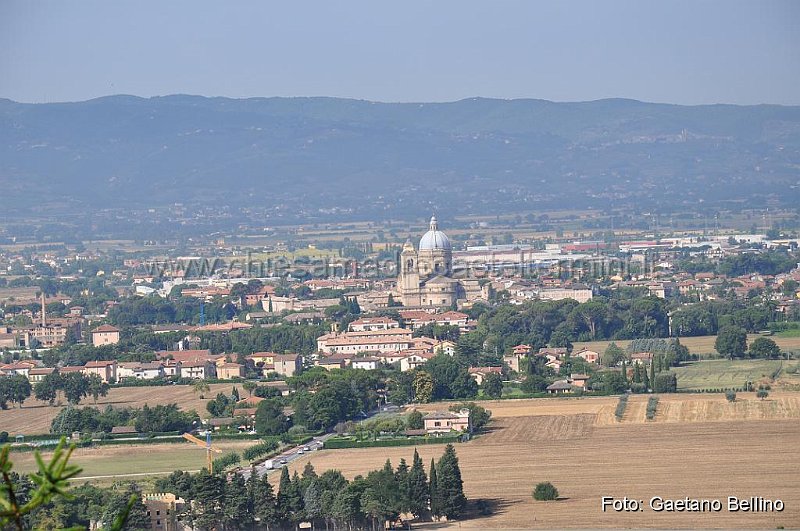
(698, 446)
(35, 416)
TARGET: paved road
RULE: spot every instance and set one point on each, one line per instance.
(297, 452)
(289, 455)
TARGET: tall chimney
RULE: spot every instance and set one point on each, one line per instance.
(44, 312)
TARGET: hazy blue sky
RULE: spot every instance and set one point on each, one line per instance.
(680, 52)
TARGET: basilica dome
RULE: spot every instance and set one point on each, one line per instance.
(434, 238)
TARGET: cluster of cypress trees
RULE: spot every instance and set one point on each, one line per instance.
(326, 499)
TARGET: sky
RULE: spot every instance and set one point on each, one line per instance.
(684, 52)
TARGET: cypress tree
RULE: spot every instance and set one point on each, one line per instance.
(652, 371)
(209, 494)
(625, 372)
(402, 481)
(417, 489)
(645, 379)
(264, 501)
(284, 507)
(296, 498)
(236, 510)
(433, 492)
(450, 487)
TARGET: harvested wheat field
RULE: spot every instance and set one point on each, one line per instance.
(586, 462)
(35, 417)
(526, 407)
(705, 407)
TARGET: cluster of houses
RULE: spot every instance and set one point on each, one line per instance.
(554, 355)
(35, 372)
(191, 364)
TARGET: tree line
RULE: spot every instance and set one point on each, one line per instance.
(325, 499)
(74, 386)
(156, 419)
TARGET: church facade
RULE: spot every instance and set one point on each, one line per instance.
(425, 277)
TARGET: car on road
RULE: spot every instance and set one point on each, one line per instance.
(306, 448)
(283, 461)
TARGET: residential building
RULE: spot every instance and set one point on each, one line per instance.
(202, 369)
(287, 364)
(367, 324)
(140, 370)
(106, 370)
(559, 387)
(390, 340)
(37, 374)
(369, 363)
(413, 361)
(589, 355)
(229, 371)
(105, 335)
(479, 374)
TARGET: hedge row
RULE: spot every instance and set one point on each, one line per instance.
(260, 449)
(338, 443)
(652, 404)
(621, 405)
(221, 463)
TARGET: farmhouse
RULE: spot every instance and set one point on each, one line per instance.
(445, 422)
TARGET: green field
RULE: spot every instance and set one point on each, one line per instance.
(720, 374)
(133, 460)
(700, 345)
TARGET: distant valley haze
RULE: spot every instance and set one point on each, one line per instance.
(317, 158)
(370, 108)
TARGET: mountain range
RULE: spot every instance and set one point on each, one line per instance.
(327, 157)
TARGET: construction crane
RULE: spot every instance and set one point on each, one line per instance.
(204, 444)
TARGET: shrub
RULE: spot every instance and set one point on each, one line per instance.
(296, 430)
(415, 421)
(666, 382)
(730, 396)
(762, 394)
(545, 492)
(3, 436)
(479, 416)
